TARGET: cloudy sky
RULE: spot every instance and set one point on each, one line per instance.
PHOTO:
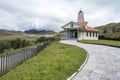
(52, 14)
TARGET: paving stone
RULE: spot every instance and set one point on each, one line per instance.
(103, 62)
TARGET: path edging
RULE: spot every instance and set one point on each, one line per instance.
(74, 74)
(100, 44)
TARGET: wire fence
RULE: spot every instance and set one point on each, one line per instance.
(10, 61)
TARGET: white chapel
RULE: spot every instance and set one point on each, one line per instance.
(79, 30)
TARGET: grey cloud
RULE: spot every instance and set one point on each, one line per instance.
(22, 14)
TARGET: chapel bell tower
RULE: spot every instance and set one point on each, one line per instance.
(80, 16)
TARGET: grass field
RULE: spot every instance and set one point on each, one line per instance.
(56, 62)
(30, 37)
(103, 42)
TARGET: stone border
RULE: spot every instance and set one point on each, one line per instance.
(74, 74)
(100, 44)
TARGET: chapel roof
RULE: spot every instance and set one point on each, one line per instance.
(88, 28)
(81, 22)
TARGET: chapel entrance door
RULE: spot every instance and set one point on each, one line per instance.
(73, 34)
(76, 35)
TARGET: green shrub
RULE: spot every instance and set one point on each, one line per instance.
(15, 44)
(110, 36)
(44, 39)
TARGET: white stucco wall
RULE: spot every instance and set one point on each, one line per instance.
(84, 36)
(81, 36)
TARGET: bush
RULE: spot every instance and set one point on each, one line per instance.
(44, 39)
(101, 37)
(110, 36)
(15, 44)
(4, 45)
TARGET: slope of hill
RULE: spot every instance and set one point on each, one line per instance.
(110, 31)
(35, 31)
(109, 28)
(10, 32)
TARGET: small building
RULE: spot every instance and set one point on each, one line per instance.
(79, 30)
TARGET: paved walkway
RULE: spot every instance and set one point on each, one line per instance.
(103, 62)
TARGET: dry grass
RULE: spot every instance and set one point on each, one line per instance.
(30, 37)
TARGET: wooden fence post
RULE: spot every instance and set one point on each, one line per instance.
(10, 61)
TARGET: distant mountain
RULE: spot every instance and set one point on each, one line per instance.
(10, 32)
(35, 31)
(110, 31)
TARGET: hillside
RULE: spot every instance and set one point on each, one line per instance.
(10, 32)
(35, 31)
(109, 28)
(110, 31)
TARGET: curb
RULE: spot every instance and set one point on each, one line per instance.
(74, 74)
(101, 44)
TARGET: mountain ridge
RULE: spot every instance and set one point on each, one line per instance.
(4, 32)
(36, 31)
(109, 31)
(109, 28)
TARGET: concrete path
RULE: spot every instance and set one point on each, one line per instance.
(103, 62)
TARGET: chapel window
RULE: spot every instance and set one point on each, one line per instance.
(87, 34)
(72, 25)
(90, 34)
(96, 34)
